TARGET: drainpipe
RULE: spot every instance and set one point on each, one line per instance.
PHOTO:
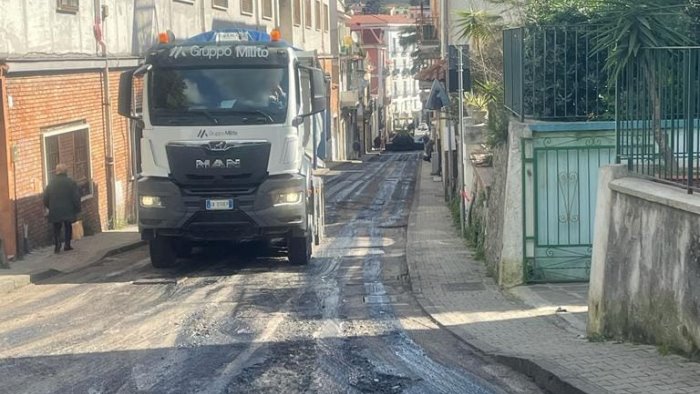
(12, 153)
(101, 13)
(204, 16)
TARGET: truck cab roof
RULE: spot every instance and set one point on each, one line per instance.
(227, 47)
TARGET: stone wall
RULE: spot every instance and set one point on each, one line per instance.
(646, 263)
(494, 205)
(498, 205)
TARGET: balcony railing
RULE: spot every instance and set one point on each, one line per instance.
(553, 73)
(427, 30)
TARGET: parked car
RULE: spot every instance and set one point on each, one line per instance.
(420, 133)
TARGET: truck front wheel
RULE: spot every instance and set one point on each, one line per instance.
(299, 250)
(163, 252)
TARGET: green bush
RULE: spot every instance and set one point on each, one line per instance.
(497, 125)
(474, 233)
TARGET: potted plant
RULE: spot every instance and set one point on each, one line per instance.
(478, 106)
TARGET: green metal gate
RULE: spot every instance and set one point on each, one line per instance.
(560, 179)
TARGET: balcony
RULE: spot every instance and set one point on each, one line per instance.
(349, 100)
(428, 33)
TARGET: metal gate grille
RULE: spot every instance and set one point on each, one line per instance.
(560, 179)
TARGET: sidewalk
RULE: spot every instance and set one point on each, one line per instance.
(44, 263)
(454, 289)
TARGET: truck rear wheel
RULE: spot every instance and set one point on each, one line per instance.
(163, 252)
(299, 250)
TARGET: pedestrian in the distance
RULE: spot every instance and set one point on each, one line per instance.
(356, 147)
(62, 198)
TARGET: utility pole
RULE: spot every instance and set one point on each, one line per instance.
(463, 168)
(446, 123)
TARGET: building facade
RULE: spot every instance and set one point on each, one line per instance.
(405, 104)
(379, 39)
(60, 62)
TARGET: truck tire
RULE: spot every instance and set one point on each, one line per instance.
(183, 248)
(299, 250)
(163, 252)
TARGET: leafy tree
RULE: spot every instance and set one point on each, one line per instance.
(626, 29)
(479, 27)
(373, 7)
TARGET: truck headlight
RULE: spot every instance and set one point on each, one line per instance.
(151, 202)
(289, 198)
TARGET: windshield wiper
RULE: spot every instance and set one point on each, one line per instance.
(205, 113)
(256, 112)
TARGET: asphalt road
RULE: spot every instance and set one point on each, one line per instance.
(245, 321)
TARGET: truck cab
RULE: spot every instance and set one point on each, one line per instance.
(229, 122)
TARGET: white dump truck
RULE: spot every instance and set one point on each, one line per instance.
(228, 127)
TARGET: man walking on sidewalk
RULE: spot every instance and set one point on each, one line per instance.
(62, 198)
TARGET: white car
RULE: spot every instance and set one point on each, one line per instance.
(419, 135)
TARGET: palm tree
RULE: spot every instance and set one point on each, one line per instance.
(479, 27)
(626, 30)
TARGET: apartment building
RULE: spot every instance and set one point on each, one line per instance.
(60, 62)
(391, 81)
(405, 104)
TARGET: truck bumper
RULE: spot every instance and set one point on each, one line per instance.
(255, 214)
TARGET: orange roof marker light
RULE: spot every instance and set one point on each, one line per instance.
(275, 35)
(163, 38)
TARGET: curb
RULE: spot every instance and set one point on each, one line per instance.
(550, 377)
(9, 283)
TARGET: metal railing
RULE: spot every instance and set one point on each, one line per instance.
(658, 116)
(553, 73)
(427, 29)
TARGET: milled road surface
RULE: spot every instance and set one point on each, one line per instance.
(250, 322)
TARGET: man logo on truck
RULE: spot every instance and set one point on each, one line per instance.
(218, 163)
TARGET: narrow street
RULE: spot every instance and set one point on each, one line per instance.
(245, 321)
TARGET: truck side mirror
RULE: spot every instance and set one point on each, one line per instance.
(318, 91)
(126, 94)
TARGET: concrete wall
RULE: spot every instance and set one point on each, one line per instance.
(494, 221)
(646, 263)
(317, 36)
(35, 27)
(510, 271)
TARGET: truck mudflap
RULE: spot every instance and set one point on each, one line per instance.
(319, 210)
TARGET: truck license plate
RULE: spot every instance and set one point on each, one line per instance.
(219, 205)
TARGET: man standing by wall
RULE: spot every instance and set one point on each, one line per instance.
(62, 198)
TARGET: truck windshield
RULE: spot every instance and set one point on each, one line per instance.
(226, 96)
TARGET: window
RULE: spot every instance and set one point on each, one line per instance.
(247, 7)
(405, 88)
(326, 23)
(307, 14)
(317, 15)
(297, 12)
(224, 96)
(67, 5)
(69, 146)
(219, 4)
(396, 89)
(267, 9)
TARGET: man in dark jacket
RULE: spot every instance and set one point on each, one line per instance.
(62, 198)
